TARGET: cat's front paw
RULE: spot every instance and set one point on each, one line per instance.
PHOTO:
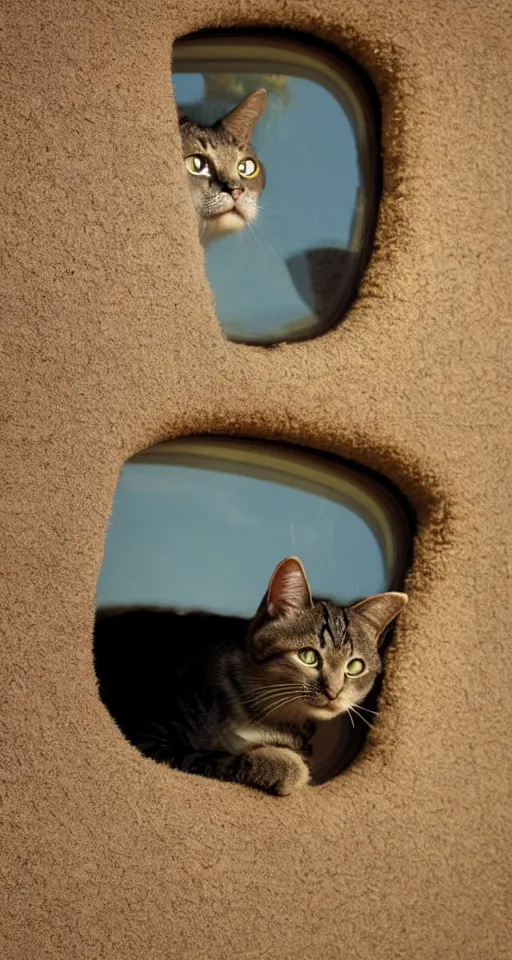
(279, 770)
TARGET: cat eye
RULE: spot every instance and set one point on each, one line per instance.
(309, 656)
(355, 667)
(198, 165)
(248, 168)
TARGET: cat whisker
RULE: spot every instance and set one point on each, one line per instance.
(367, 722)
(281, 703)
(264, 243)
(350, 718)
(366, 710)
(264, 213)
(255, 704)
(256, 223)
(251, 228)
(277, 699)
(260, 701)
(265, 687)
(268, 694)
(276, 686)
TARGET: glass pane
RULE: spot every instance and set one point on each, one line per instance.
(196, 536)
(292, 273)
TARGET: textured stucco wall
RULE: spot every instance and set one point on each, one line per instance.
(110, 343)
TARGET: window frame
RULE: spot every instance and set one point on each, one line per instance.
(309, 470)
(335, 744)
(346, 81)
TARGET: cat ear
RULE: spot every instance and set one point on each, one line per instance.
(240, 123)
(182, 117)
(379, 611)
(288, 590)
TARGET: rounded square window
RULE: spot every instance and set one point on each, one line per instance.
(292, 272)
(200, 524)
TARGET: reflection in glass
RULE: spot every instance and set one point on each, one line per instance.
(293, 273)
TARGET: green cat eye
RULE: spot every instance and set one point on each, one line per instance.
(248, 168)
(197, 165)
(309, 656)
(355, 667)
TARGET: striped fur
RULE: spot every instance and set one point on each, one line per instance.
(228, 698)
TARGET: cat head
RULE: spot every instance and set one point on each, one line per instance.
(224, 173)
(318, 659)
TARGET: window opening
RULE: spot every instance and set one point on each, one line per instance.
(292, 273)
(200, 523)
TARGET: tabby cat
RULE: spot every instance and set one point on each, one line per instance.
(225, 176)
(238, 700)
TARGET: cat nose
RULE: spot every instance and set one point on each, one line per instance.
(331, 693)
(232, 188)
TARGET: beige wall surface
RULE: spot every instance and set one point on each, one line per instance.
(110, 343)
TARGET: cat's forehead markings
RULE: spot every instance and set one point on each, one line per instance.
(225, 138)
(342, 624)
(325, 633)
(334, 627)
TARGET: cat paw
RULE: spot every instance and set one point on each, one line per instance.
(279, 770)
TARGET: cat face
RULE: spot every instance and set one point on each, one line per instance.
(314, 659)
(224, 173)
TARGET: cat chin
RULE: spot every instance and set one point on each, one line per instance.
(302, 711)
(324, 713)
(222, 224)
